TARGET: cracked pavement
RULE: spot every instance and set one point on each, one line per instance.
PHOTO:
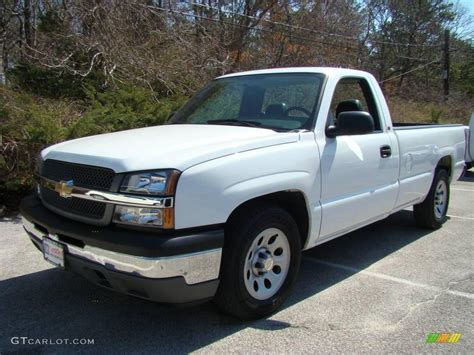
(381, 289)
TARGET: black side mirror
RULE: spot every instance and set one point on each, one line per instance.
(351, 123)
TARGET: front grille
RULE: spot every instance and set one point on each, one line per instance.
(77, 206)
(87, 176)
(92, 177)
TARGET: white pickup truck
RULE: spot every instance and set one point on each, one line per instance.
(220, 202)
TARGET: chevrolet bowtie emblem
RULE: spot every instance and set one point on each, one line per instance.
(64, 188)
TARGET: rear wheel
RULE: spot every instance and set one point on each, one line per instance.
(260, 261)
(467, 167)
(431, 213)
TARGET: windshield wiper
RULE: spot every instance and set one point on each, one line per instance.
(236, 122)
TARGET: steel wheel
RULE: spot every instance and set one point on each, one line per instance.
(431, 213)
(260, 261)
(440, 200)
(267, 264)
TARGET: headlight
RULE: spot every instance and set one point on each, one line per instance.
(152, 184)
(159, 183)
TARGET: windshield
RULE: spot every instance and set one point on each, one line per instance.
(281, 102)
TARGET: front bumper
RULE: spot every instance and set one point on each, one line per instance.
(177, 268)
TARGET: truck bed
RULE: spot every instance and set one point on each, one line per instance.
(420, 152)
(410, 125)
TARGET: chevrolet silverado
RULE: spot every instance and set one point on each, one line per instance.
(220, 202)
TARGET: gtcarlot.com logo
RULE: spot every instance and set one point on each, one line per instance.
(49, 341)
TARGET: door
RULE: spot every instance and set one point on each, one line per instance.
(359, 172)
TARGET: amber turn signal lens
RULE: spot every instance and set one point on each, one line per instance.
(168, 218)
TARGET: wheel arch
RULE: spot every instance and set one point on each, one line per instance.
(446, 163)
(292, 201)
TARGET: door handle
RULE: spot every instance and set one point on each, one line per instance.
(385, 151)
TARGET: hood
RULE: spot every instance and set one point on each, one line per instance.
(162, 147)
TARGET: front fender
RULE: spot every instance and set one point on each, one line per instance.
(208, 193)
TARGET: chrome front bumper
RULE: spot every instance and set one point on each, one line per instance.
(195, 267)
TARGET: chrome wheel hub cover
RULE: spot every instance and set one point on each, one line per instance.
(441, 199)
(267, 263)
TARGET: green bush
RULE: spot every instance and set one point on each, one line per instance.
(53, 83)
(123, 108)
(30, 123)
(27, 125)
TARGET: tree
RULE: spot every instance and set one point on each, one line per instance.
(406, 35)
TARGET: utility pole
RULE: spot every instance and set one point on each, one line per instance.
(446, 65)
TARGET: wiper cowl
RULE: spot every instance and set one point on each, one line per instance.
(235, 122)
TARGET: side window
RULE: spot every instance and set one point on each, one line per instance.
(353, 94)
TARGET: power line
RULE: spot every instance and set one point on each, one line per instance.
(288, 35)
(410, 71)
(345, 37)
(275, 22)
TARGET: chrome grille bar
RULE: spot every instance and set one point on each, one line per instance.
(68, 191)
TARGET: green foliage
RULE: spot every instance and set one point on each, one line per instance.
(464, 77)
(29, 120)
(123, 108)
(52, 83)
(51, 22)
(436, 114)
(30, 123)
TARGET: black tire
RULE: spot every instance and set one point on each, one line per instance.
(232, 296)
(424, 212)
(467, 167)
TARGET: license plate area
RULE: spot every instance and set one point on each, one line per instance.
(53, 252)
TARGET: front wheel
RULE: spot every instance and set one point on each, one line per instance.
(431, 213)
(260, 261)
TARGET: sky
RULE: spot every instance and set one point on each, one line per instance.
(468, 27)
(469, 4)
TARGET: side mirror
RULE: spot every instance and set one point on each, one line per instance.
(351, 123)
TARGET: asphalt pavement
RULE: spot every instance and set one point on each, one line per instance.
(381, 289)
